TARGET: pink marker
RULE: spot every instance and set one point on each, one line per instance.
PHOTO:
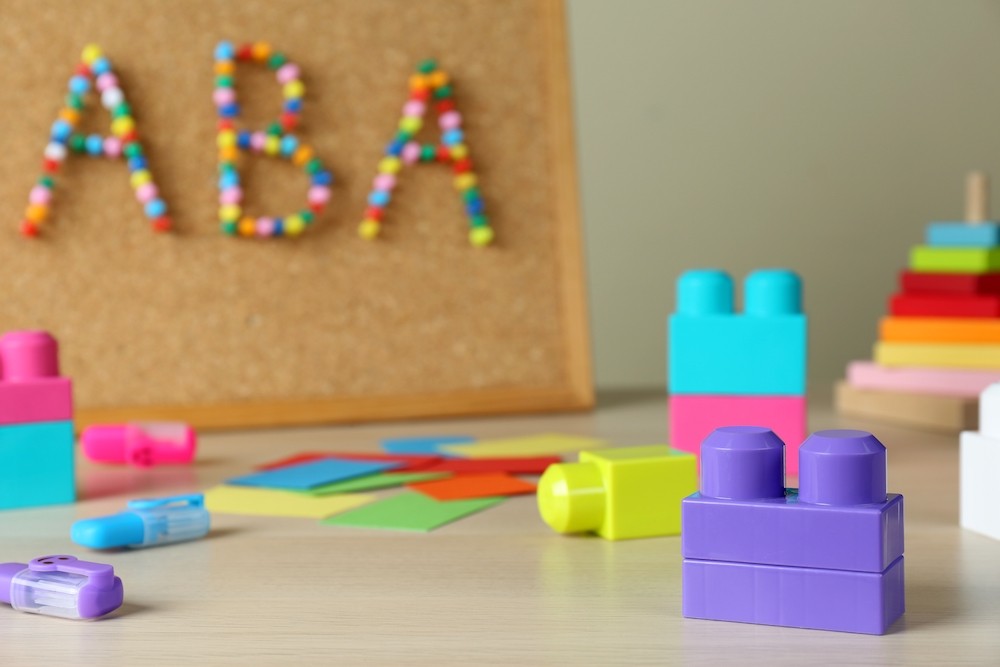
(141, 444)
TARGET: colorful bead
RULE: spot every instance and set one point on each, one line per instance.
(378, 198)
(288, 73)
(40, 195)
(384, 182)
(231, 196)
(294, 225)
(389, 165)
(265, 227)
(229, 212)
(91, 52)
(156, 208)
(113, 147)
(481, 236)
(369, 229)
(428, 83)
(410, 153)
(276, 141)
(318, 194)
(140, 178)
(146, 193)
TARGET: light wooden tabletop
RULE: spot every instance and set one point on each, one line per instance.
(496, 588)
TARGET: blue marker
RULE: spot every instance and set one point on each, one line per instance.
(147, 523)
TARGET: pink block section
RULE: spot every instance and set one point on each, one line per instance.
(940, 381)
(693, 417)
(41, 400)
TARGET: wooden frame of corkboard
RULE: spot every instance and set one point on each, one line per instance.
(328, 327)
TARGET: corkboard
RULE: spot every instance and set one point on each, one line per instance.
(228, 332)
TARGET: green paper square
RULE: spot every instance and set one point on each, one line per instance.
(410, 511)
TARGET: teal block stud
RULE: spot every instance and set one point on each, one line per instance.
(760, 352)
(36, 464)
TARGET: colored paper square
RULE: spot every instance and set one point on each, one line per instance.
(408, 462)
(411, 511)
(267, 502)
(424, 444)
(474, 486)
(545, 444)
(315, 473)
(534, 465)
(373, 482)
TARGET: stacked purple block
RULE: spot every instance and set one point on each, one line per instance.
(827, 556)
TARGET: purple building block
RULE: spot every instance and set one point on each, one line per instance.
(795, 597)
(841, 518)
(825, 556)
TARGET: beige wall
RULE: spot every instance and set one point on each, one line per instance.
(821, 136)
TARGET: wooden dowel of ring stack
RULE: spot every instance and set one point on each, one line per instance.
(977, 197)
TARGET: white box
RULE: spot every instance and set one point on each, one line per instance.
(980, 484)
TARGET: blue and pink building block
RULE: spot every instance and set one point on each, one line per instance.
(826, 556)
(36, 423)
(726, 367)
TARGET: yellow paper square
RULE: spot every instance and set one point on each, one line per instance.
(270, 502)
(546, 444)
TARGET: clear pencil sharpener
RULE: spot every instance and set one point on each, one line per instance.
(61, 586)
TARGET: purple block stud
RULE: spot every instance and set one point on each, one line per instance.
(742, 463)
(842, 467)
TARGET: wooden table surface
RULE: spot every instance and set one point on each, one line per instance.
(496, 588)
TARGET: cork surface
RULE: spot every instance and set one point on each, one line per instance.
(195, 317)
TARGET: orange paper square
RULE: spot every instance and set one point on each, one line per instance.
(474, 486)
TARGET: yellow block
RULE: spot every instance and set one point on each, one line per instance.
(951, 355)
(546, 444)
(939, 330)
(619, 493)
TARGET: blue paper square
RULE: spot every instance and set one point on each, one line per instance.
(425, 444)
(314, 473)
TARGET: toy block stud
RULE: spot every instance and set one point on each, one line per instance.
(705, 292)
(28, 355)
(979, 468)
(618, 493)
(743, 463)
(827, 556)
(842, 467)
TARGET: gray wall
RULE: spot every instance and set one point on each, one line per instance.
(821, 136)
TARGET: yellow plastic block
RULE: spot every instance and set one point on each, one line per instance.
(938, 355)
(619, 493)
(939, 330)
